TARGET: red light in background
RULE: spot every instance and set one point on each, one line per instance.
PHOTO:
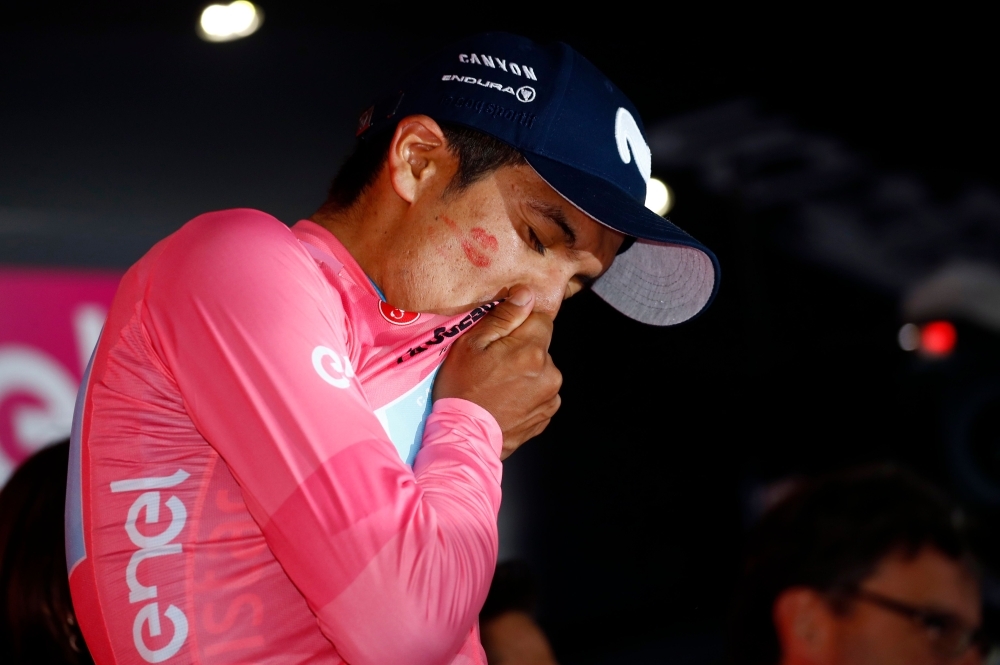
(938, 338)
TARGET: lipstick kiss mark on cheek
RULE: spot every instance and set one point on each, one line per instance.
(477, 244)
(476, 257)
(488, 241)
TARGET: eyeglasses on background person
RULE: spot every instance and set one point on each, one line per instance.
(869, 566)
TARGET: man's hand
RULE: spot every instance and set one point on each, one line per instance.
(503, 365)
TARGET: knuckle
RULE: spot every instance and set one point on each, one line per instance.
(530, 360)
(553, 406)
(556, 379)
(537, 355)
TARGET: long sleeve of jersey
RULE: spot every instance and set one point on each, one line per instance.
(395, 563)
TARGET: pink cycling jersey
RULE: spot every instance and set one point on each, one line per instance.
(240, 486)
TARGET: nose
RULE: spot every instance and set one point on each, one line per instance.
(547, 305)
(552, 286)
(549, 295)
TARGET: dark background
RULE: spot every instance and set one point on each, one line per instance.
(117, 124)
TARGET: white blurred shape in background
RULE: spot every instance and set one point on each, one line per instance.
(88, 320)
(28, 371)
(909, 337)
(659, 197)
(224, 23)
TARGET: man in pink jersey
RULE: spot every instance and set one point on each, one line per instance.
(287, 446)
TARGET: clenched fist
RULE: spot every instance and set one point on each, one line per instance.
(503, 365)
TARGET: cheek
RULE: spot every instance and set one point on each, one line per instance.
(476, 254)
(881, 638)
(465, 263)
(484, 239)
(479, 246)
(470, 255)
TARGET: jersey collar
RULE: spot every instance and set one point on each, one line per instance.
(316, 236)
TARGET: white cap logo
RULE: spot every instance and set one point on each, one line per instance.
(627, 134)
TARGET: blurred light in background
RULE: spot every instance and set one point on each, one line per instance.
(909, 337)
(936, 339)
(659, 197)
(224, 23)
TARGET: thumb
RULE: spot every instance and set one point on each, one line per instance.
(505, 318)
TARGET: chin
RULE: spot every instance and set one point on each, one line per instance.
(453, 310)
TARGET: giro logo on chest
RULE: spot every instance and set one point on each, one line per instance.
(332, 367)
(395, 316)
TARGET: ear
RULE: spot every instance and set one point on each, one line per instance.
(806, 627)
(418, 156)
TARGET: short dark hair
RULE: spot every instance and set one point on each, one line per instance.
(830, 535)
(478, 155)
(37, 622)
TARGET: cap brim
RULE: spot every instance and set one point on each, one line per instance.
(665, 277)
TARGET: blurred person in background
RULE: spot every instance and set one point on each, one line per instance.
(37, 623)
(510, 634)
(869, 566)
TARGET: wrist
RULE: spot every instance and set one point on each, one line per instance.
(481, 417)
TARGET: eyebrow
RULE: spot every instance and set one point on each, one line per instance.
(557, 217)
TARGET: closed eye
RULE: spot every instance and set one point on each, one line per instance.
(536, 244)
(939, 622)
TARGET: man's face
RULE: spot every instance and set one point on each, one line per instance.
(459, 249)
(871, 634)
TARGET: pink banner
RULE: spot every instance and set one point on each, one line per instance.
(50, 320)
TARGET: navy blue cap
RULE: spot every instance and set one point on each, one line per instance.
(584, 137)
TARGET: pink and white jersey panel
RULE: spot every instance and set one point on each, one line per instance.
(257, 472)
